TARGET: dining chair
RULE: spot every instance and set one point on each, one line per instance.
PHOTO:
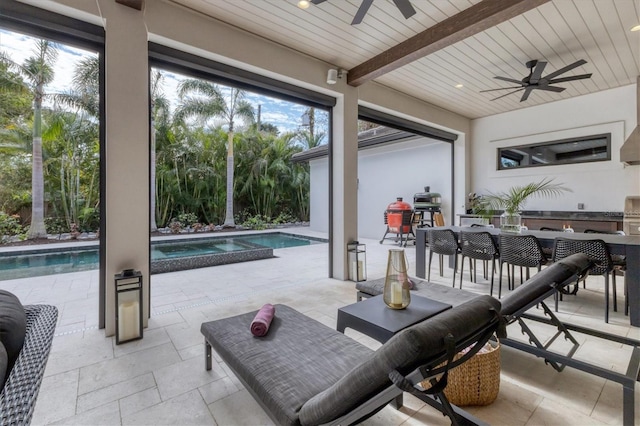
(619, 266)
(524, 251)
(598, 251)
(443, 242)
(438, 219)
(478, 246)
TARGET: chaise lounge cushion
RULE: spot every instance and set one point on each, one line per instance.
(13, 326)
(297, 359)
(404, 352)
(542, 282)
(4, 362)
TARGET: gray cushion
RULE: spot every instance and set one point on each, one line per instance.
(13, 326)
(4, 361)
(404, 352)
(297, 359)
(542, 282)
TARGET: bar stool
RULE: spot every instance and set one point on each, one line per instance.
(443, 242)
(478, 246)
(519, 250)
(598, 251)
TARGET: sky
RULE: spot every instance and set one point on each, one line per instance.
(285, 115)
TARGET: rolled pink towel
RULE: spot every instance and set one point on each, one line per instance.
(262, 321)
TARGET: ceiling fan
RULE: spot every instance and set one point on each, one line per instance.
(535, 80)
(403, 5)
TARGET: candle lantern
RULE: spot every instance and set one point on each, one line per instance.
(396, 293)
(357, 260)
(128, 306)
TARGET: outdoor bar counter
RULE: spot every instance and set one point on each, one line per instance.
(628, 246)
(579, 221)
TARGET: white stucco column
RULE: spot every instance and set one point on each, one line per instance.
(345, 178)
(127, 150)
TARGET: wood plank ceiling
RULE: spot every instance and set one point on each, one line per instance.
(559, 32)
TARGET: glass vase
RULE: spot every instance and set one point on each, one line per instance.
(511, 222)
(396, 293)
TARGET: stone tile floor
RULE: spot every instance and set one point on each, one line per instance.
(162, 380)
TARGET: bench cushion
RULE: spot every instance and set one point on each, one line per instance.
(441, 293)
(419, 344)
(13, 327)
(297, 359)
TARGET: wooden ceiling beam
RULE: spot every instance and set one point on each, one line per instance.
(471, 21)
(136, 4)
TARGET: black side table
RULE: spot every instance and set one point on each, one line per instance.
(373, 318)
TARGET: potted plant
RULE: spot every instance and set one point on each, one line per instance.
(512, 200)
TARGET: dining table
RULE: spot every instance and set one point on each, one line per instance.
(625, 245)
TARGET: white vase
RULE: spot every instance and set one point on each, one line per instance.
(511, 222)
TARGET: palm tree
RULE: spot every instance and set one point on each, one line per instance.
(159, 105)
(38, 72)
(208, 103)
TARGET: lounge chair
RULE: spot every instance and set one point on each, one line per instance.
(305, 373)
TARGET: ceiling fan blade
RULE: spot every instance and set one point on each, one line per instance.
(502, 88)
(537, 72)
(574, 77)
(507, 94)
(510, 80)
(362, 10)
(565, 69)
(405, 8)
(317, 1)
(526, 94)
(551, 88)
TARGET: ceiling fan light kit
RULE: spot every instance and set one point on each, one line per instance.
(404, 6)
(535, 80)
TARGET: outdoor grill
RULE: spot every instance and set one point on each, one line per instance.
(427, 201)
(398, 217)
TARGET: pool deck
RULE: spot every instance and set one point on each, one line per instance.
(161, 379)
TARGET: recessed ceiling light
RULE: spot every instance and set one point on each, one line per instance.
(303, 4)
(636, 28)
(459, 86)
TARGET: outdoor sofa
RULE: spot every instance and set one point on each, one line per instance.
(26, 334)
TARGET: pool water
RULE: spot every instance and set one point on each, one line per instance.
(31, 263)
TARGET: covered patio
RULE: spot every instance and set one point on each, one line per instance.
(162, 380)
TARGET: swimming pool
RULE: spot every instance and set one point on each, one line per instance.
(166, 256)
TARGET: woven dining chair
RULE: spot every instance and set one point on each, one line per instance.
(478, 246)
(598, 251)
(443, 242)
(524, 251)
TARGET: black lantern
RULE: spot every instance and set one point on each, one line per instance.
(357, 261)
(128, 306)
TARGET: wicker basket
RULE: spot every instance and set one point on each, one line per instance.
(477, 381)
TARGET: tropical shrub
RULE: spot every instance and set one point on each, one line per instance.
(55, 225)
(9, 226)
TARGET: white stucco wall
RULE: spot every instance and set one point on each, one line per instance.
(385, 173)
(601, 186)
